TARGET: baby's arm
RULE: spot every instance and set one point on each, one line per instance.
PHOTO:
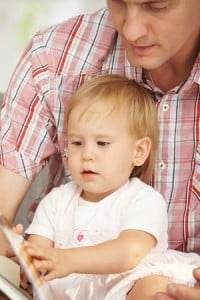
(110, 257)
(40, 241)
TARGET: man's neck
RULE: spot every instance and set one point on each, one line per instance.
(166, 78)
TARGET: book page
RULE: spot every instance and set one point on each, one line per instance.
(41, 292)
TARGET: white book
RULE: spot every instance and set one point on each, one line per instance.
(8, 290)
(41, 292)
(10, 270)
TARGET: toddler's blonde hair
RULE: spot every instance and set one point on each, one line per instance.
(123, 93)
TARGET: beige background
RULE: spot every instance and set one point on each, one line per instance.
(19, 20)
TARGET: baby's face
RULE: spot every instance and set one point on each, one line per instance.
(100, 149)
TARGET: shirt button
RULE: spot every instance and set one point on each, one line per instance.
(165, 107)
(161, 166)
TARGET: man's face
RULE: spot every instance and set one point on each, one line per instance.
(156, 31)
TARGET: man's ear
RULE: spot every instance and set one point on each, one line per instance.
(141, 151)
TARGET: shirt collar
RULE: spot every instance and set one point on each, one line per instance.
(139, 75)
(195, 73)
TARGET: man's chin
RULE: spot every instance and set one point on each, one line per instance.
(147, 63)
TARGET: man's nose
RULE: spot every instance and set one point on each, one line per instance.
(135, 25)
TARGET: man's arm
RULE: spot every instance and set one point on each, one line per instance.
(13, 188)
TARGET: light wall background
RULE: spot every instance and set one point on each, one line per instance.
(20, 19)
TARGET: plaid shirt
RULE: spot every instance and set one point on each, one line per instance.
(55, 63)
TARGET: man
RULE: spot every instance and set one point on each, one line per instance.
(155, 42)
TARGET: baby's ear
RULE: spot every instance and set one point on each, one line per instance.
(141, 151)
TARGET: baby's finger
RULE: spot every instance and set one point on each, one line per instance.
(43, 265)
(36, 252)
(50, 276)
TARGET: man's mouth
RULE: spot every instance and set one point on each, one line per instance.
(143, 49)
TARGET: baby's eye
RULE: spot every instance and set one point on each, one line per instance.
(102, 143)
(77, 143)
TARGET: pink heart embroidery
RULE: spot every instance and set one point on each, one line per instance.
(80, 237)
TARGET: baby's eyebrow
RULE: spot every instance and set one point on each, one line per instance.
(73, 135)
(96, 136)
(105, 136)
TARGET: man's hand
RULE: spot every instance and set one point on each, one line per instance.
(10, 199)
(5, 249)
(4, 245)
(181, 292)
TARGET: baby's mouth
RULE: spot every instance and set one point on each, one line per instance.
(88, 172)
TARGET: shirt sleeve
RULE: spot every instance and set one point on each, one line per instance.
(45, 216)
(26, 122)
(55, 207)
(147, 213)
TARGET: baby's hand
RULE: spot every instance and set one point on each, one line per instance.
(29, 264)
(51, 262)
